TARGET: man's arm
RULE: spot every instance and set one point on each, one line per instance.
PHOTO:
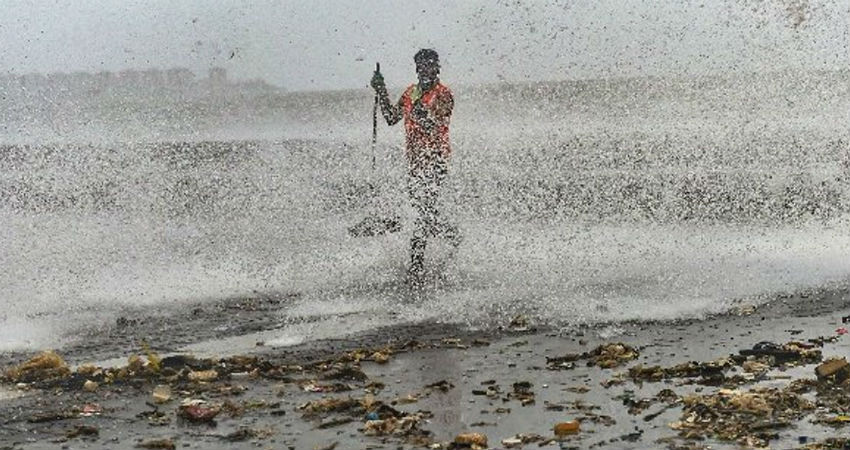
(392, 113)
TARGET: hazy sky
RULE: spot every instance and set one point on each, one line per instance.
(333, 44)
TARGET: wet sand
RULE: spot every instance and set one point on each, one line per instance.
(263, 411)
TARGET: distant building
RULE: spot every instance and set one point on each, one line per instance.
(178, 83)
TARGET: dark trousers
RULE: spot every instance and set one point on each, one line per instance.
(423, 186)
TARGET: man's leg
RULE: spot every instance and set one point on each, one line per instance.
(419, 199)
(417, 250)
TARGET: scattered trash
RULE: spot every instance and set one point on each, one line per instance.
(407, 399)
(372, 416)
(685, 370)
(744, 417)
(837, 368)
(197, 411)
(521, 439)
(755, 366)
(154, 361)
(203, 375)
(89, 370)
(523, 393)
(91, 409)
(90, 386)
(453, 343)
(407, 426)
(380, 357)
(474, 441)
(155, 418)
(566, 428)
(795, 352)
(606, 356)
(316, 387)
(161, 394)
(157, 444)
(841, 331)
(744, 310)
(44, 366)
(330, 404)
(441, 385)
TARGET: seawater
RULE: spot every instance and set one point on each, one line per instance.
(579, 202)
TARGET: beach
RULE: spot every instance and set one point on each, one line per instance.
(207, 258)
(269, 406)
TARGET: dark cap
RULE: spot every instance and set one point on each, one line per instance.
(427, 55)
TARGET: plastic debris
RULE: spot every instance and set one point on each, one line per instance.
(406, 425)
(198, 411)
(161, 394)
(474, 441)
(512, 442)
(566, 428)
(521, 439)
(837, 368)
(90, 409)
(203, 375)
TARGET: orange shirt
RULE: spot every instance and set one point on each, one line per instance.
(422, 142)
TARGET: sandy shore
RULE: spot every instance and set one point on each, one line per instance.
(438, 381)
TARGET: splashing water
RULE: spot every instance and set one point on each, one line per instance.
(580, 202)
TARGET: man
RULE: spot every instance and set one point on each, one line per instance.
(426, 108)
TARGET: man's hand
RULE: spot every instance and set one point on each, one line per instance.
(378, 82)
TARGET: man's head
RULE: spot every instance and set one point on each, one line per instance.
(427, 66)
